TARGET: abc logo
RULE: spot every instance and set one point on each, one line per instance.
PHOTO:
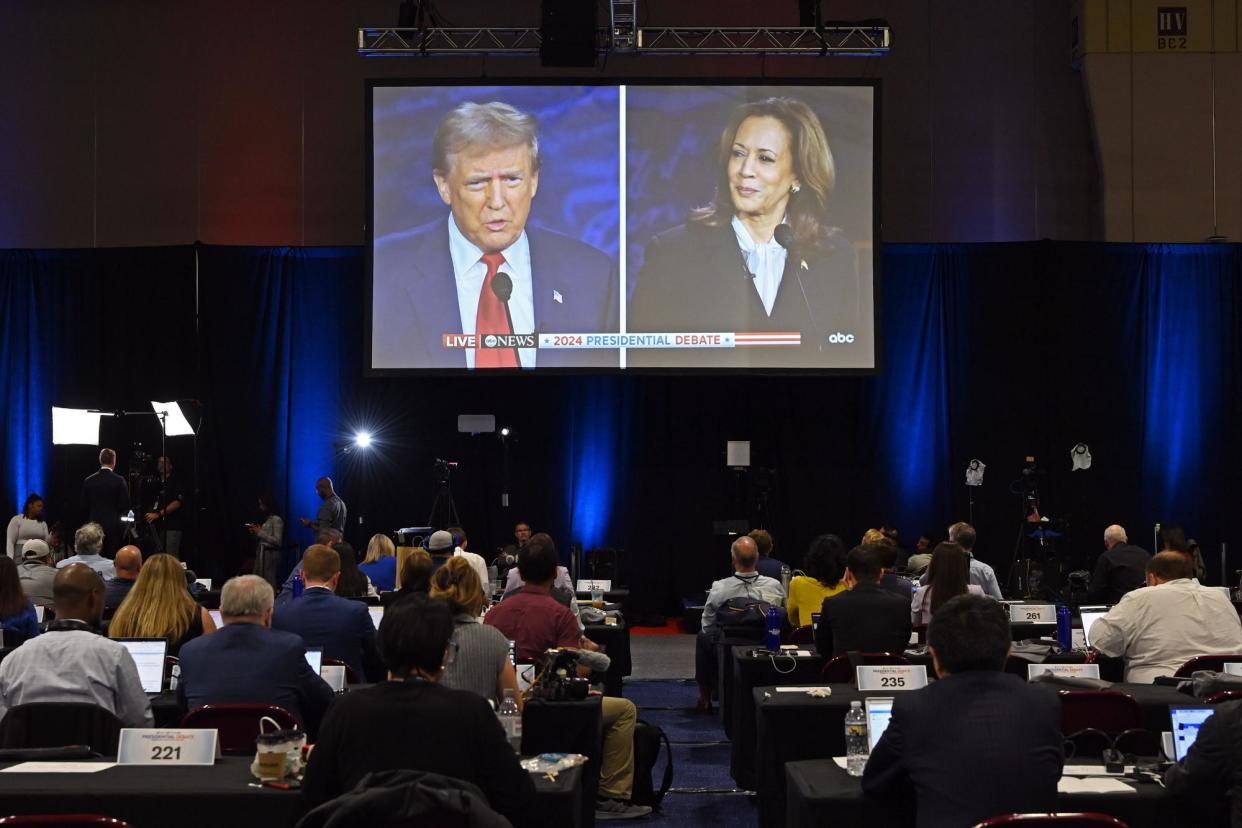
(839, 338)
(489, 341)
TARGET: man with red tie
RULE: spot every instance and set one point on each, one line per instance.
(484, 271)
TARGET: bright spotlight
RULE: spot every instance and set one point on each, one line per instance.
(362, 439)
(504, 432)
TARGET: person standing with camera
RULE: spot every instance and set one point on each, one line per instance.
(537, 622)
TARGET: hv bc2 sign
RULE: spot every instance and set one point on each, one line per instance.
(1171, 27)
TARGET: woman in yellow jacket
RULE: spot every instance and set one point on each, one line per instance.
(824, 567)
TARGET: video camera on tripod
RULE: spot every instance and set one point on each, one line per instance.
(559, 679)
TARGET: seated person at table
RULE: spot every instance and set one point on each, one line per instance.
(17, 612)
(977, 742)
(947, 578)
(246, 662)
(343, 628)
(481, 663)
(918, 562)
(767, 565)
(71, 661)
(536, 623)
(476, 561)
(128, 563)
(824, 566)
(1210, 772)
(867, 617)
(889, 580)
(160, 606)
(412, 721)
(745, 584)
(981, 574)
(414, 568)
(324, 537)
(87, 543)
(353, 582)
(380, 564)
(36, 572)
(1159, 628)
(1121, 568)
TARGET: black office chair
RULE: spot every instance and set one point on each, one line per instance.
(55, 724)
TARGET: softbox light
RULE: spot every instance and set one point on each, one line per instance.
(175, 423)
(75, 426)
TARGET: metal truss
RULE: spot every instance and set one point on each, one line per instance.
(625, 36)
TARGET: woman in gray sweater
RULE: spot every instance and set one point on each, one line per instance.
(481, 662)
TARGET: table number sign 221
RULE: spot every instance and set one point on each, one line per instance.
(167, 746)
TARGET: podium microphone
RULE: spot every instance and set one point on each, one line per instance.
(784, 236)
(502, 288)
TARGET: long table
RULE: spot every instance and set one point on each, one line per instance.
(208, 797)
(821, 793)
(613, 639)
(795, 726)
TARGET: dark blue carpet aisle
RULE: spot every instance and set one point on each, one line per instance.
(700, 759)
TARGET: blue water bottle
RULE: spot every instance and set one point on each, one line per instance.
(774, 630)
(297, 586)
(1065, 631)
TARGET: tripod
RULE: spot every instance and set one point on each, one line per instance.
(443, 505)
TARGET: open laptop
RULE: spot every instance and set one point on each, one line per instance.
(148, 655)
(1186, 720)
(216, 618)
(879, 712)
(1089, 618)
(377, 615)
(314, 657)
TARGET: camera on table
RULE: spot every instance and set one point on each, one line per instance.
(559, 680)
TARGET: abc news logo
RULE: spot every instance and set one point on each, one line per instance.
(839, 338)
(508, 341)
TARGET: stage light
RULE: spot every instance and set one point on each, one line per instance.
(504, 432)
(362, 439)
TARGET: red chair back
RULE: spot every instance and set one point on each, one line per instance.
(66, 820)
(238, 724)
(1223, 696)
(801, 635)
(1062, 820)
(1206, 662)
(838, 670)
(1106, 710)
(350, 676)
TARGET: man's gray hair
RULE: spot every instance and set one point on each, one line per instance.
(246, 595)
(88, 540)
(493, 125)
(1115, 534)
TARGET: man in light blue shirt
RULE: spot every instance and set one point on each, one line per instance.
(981, 575)
(87, 543)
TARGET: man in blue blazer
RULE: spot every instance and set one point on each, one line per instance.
(246, 662)
(342, 627)
(484, 269)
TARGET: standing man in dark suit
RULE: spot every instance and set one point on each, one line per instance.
(976, 716)
(1121, 568)
(867, 617)
(343, 628)
(105, 498)
(445, 278)
(246, 662)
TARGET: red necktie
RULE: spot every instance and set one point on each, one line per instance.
(492, 318)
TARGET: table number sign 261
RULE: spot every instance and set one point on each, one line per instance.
(167, 746)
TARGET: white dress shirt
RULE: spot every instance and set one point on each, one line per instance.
(766, 263)
(478, 565)
(469, 271)
(1158, 629)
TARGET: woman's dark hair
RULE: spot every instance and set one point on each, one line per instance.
(12, 599)
(812, 164)
(970, 632)
(31, 499)
(948, 573)
(416, 568)
(1174, 538)
(414, 634)
(270, 506)
(353, 583)
(537, 559)
(825, 560)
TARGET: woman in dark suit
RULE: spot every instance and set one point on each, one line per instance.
(761, 257)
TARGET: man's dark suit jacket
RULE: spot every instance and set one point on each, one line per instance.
(1119, 570)
(414, 298)
(342, 627)
(867, 618)
(105, 498)
(116, 590)
(250, 664)
(970, 746)
(695, 278)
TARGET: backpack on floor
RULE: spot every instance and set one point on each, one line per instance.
(647, 739)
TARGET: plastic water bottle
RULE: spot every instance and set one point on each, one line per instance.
(1065, 632)
(774, 630)
(785, 576)
(856, 746)
(511, 720)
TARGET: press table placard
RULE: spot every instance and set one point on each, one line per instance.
(892, 677)
(1032, 614)
(1071, 670)
(167, 746)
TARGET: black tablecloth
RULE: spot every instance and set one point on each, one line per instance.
(795, 726)
(748, 672)
(190, 797)
(615, 641)
(568, 727)
(820, 793)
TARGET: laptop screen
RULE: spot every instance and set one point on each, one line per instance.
(1089, 618)
(314, 657)
(148, 655)
(879, 711)
(1186, 724)
(216, 618)
(377, 615)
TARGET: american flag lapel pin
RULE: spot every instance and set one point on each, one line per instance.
(556, 296)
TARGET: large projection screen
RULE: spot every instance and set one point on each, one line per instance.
(647, 227)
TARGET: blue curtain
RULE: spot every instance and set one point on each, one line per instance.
(26, 374)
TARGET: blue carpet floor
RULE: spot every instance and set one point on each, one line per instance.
(703, 792)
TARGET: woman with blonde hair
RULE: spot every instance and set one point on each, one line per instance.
(380, 564)
(481, 663)
(160, 606)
